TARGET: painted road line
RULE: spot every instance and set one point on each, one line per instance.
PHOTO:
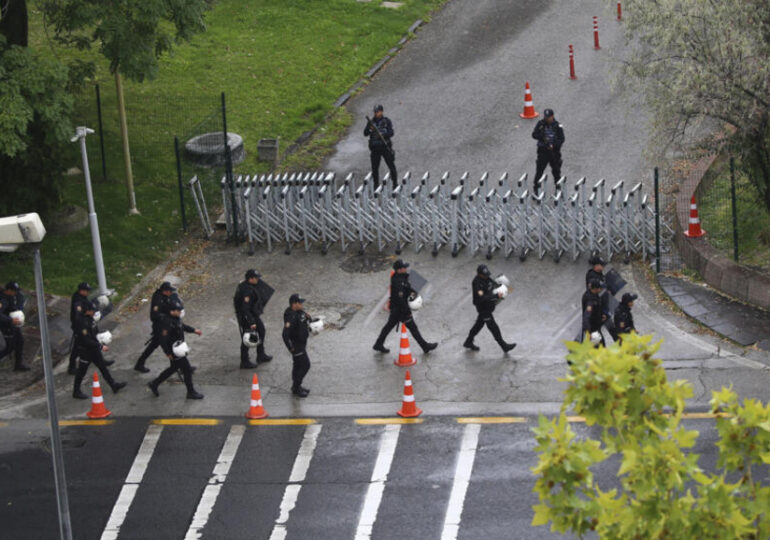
(387, 421)
(575, 419)
(282, 422)
(388, 442)
(298, 473)
(3, 424)
(492, 420)
(218, 477)
(134, 478)
(186, 421)
(462, 479)
(86, 422)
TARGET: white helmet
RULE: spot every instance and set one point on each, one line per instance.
(105, 338)
(17, 317)
(316, 325)
(502, 290)
(181, 314)
(250, 339)
(102, 301)
(415, 303)
(596, 338)
(502, 280)
(97, 316)
(180, 349)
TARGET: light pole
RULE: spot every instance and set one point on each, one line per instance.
(28, 229)
(80, 134)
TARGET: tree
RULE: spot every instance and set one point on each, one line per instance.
(696, 60)
(663, 493)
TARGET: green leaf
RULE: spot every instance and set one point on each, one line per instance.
(542, 515)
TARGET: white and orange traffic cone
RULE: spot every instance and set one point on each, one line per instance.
(529, 107)
(409, 408)
(694, 230)
(256, 410)
(98, 410)
(404, 352)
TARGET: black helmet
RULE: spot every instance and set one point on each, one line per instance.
(628, 298)
(547, 113)
(251, 273)
(167, 286)
(378, 108)
(594, 284)
(596, 260)
(399, 264)
(483, 269)
(296, 299)
(12, 286)
(175, 305)
(84, 286)
(90, 306)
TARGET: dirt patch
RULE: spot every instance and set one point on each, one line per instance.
(366, 263)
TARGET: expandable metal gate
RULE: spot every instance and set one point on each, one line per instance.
(489, 217)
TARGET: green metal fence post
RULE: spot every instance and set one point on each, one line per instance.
(229, 172)
(735, 209)
(101, 131)
(657, 222)
(179, 180)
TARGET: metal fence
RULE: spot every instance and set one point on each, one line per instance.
(505, 217)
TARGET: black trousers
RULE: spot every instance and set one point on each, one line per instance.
(177, 364)
(300, 367)
(260, 347)
(383, 152)
(486, 318)
(84, 360)
(148, 350)
(547, 157)
(14, 343)
(73, 364)
(393, 320)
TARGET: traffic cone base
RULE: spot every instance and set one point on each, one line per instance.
(98, 409)
(404, 352)
(409, 407)
(529, 107)
(256, 410)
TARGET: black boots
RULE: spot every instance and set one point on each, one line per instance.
(470, 345)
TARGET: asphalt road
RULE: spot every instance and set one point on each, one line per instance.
(353, 481)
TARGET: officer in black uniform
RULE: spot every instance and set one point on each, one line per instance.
(400, 293)
(78, 302)
(596, 273)
(550, 138)
(485, 301)
(380, 148)
(12, 299)
(296, 329)
(171, 330)
(248, 310)
(90, 350)
(592, 310)
(161, 299)
(624, 320)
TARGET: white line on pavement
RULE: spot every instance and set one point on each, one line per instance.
(376, 310)
(388, 442)
(462, 478)
(131, 485)
(218, 477)
(298, 473)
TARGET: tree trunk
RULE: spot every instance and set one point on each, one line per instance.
(13, 22)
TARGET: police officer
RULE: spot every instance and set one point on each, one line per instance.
(78, 302)
(400, 293)
(380, 131)
(12, 299)
(485, 300)
(550, 137)
(596, 273)
(161, 299)
(248, 310)
(624, 320)
(296, 329)
(90, 350)
(592, 310)
(171, 331)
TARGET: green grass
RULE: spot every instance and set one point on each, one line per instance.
(281, 63)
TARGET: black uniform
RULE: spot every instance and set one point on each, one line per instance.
(550, 138)
(378, 149)
(77, 307)
(400, 291)
(88, 350)
(170, 330)
(14, 339)
(158, 308)
(248, 310)
(592, 314)
(624, 320)
(485, 301)
(604, 296)
(296, 329)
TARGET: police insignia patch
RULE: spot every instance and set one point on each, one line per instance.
(85, 331)
(165, 332)
(155, 308)
(288, 324)
(481, 293)
(588, 309)
(78, 308)
(245, 298)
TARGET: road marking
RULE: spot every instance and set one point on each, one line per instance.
(86, 422)
(388, 442)
(575, 419)
(462, 479)
(298, 473)
(3, 424)
(492, 420)
(186, 421)
(282, 422)
(387, 421)
(696, 415)
(218, 477)
(376, 310)
(131, 485)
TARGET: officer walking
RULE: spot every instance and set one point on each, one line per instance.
(171, 338)
(158, 307)
(11, 300)
(296, 328)
(596, 273)
(78, 302)
(400, 293)
(624, 320)
(248, 310)
(380, 131)
(550, 137)
(485, 300)
(592, 311)
(89, 349)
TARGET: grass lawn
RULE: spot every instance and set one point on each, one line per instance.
(281, 63)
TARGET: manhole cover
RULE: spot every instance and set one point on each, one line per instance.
(335, 316)
(67, 442)
(363, 264)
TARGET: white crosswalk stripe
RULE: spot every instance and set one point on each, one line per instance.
(373, 497)
(462, 478)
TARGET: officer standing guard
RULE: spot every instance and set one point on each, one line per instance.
(171, 337)
(158, 307)
(248, 310)
(380, 131)
(79, 301)
(89, 349)
(550, 137)
(11, 319)
(592, 313)
(624, 320)
(400, 292)
(296, 328)
(485, 299)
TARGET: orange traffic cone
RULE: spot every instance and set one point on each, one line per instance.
(256, 410)
(404, 352)
(529, 108)
(98, 410)
(694, 230)
(409, 408)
